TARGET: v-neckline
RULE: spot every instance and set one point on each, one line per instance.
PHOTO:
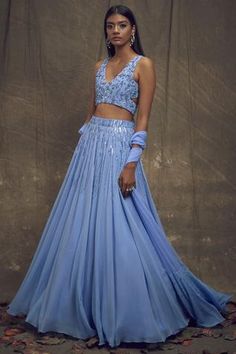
(105, 67)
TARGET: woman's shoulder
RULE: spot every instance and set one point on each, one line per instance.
(146, 66)
(99, 62)
(146, 62)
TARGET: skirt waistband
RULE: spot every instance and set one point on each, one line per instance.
(112, 122)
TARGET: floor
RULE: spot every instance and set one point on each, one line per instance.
(17, 336)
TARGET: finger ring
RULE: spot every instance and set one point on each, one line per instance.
(130, 189)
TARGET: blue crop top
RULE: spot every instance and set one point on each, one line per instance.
(121, 89)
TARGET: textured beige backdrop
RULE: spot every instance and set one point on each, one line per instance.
(47, 52)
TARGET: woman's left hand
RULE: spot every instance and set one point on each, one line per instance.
(126, 179)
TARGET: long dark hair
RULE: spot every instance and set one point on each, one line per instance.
(124, 11)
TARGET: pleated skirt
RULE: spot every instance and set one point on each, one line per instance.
(104, 265)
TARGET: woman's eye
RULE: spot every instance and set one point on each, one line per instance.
(121, 26)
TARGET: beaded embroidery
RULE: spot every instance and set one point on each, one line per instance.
(121, 89)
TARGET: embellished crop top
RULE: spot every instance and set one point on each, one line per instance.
(121, 89)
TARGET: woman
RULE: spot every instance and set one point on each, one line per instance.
(104, 266)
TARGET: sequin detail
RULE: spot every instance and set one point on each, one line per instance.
(121, 89)
(107, 141)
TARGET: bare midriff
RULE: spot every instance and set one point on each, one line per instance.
(111, 111)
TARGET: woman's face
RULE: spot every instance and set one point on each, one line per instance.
(119, 29)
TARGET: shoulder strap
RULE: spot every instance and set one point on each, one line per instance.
(137, 59)
(134, 63)
(101, 67)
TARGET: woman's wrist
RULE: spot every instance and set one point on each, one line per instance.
(131, 165)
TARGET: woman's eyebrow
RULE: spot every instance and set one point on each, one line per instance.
(110, 22)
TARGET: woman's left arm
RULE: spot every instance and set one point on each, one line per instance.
(147, 84)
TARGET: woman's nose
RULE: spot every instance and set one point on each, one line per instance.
(116, 28)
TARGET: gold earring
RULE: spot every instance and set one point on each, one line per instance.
(132, 39)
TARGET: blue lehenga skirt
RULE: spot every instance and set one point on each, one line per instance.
(104, 265)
